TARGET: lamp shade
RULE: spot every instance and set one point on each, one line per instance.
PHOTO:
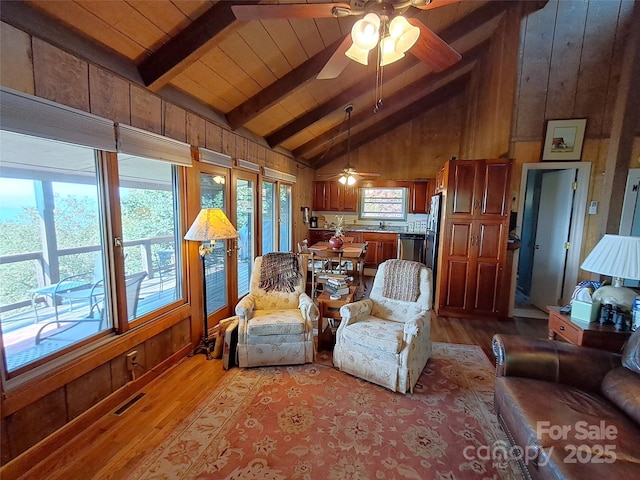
(617, 256)
(211, 224)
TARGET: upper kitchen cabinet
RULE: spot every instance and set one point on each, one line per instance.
(420, 193)
(334, 197)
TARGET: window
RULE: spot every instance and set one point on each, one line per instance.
(276, 217)
(52, 248)
(383, 203)
(152, 241)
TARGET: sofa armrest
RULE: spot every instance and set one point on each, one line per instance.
(552, 361)
(352, 312)
(245, 307)
(415, 325)
(308, 309)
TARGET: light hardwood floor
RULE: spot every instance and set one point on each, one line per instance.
(113, 446)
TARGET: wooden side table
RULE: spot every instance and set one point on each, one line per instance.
(330, 309)
(594, 335)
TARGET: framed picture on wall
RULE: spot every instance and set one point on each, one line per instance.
(563, 140)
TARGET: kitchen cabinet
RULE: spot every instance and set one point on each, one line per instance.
(439, 186)
(330, 195)
(420, 196)
(474, 235)
(382, 246)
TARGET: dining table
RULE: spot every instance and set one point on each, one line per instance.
(349, 252)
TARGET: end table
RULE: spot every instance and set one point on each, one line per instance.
(330, 309)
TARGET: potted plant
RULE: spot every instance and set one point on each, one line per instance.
(336, 241)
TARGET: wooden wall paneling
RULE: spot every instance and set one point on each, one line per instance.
(229, 143)
(619, 52)
(213, 134)
(252, 151)
(31, 424)
(5, 447)
(241, 147)
(175, 122)
(157, 348)
(86, 391)
(565, 59)
(196, 130)
(109, 96)
(59, 76)
(15, 59)
(534, 73)
(595, 65)
(120, 375)
(146, 110)
(180, 335)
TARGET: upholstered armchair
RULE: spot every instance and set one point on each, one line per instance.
(386, 338)
(275, 322)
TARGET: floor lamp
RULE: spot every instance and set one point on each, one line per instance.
(210, 225)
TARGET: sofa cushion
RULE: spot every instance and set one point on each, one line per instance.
(535, 411)
(276, 322)
(631, 353)
(622, 387)
(377, 333)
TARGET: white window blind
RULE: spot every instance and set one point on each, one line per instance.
(271, 174)
(30, 115)
(247, 165)
(215, 158)
(135, 141)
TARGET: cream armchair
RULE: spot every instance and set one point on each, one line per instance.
(275, 327)
(385, 340)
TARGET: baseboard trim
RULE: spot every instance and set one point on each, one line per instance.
(48, 446)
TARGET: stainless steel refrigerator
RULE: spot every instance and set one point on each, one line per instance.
(433, 237)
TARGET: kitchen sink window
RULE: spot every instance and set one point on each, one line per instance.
(383, 203)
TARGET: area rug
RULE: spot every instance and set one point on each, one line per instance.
(315, 422)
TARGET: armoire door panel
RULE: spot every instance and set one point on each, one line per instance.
(463, 188)
(496, 188)
(490, 240)
(459, 239)
(457, 292)
(487, 287)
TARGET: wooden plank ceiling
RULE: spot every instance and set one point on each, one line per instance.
(260, 75)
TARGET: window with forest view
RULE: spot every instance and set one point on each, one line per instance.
(55, 288)
(383, 203)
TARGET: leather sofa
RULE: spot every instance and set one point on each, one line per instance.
(569, 411)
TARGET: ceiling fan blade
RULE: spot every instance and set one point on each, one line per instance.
(432, 50)
(338, 61)
(436, 4)
(291, 10)
(329, 175)
(365, 174)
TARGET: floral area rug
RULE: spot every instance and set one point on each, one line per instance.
(314, 422)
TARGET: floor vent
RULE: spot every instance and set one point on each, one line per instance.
(127, 405)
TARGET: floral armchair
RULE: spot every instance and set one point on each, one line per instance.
(275, 327)
(387, 340)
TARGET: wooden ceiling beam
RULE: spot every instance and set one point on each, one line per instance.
(282, 87)
(188, 45)
(396, 119)
(470, 56)
(454, 32)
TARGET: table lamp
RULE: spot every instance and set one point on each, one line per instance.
(617, 256)
(210, 225)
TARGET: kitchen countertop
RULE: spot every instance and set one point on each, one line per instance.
(371, 229)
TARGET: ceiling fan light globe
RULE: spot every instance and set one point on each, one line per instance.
(365, 33)
(404, 34)
(358, 54)
(389, 52)
(343, 179)
(351, 180)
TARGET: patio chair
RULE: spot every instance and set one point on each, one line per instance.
(132, 284)
(85, 287)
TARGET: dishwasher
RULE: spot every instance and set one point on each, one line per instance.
(411, 246)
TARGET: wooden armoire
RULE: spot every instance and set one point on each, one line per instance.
(474, 228)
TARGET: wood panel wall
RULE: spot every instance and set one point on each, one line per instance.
(39, 408)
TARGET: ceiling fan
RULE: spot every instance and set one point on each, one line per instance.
(382, 25)
(348, 175)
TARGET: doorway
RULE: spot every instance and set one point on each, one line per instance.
(550, 223)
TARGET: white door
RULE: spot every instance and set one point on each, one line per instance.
(630, 219)
(549, 256)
